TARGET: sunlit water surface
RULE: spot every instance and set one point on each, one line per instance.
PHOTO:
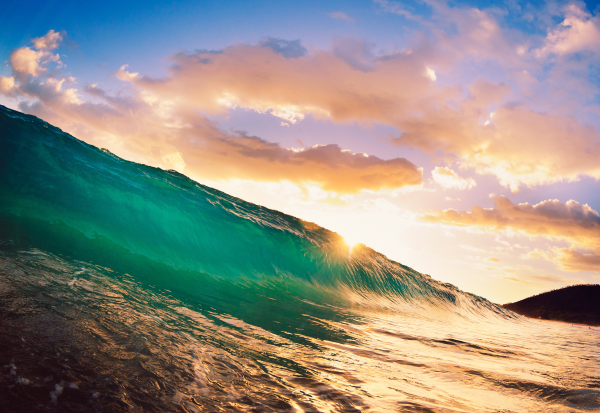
(77, 337)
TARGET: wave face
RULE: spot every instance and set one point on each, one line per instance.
(127, 287)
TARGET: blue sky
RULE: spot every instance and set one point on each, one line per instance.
(459, 138)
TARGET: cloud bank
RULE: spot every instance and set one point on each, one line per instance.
(508, 128)
(491, 126)
(577, 224)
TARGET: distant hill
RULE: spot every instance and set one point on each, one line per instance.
(573, 304)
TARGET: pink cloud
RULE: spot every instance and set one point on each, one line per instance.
(50, 41)
(6, 85)
(27, 61)
(578, 32)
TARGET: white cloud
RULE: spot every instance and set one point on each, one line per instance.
(430, 73)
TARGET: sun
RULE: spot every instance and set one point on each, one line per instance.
(351, 242)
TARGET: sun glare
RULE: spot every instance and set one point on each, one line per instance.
(351, 242)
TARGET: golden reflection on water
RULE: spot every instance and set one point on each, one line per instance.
(462, 365)
(164, 352)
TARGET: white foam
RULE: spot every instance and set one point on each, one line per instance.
(58, 390)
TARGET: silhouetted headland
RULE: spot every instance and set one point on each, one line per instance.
(572, 304)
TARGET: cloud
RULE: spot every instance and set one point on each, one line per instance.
(578, 32)
(50, 41)
(6, 84)
(286, 48)
(397, 8)
(492, 259)
(328, 166)
(356, 53)
(171, 134)
(473, 249)
(449, 179)
(430, 73)
(322, 83)
(124, 75)
(477, 125)
(338, 15)
(521, 281)
(518, 145)
(572, 260)
(550, 279)
(570, 221)
(487, 126)
(27, 61)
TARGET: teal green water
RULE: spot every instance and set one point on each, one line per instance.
(168, 295)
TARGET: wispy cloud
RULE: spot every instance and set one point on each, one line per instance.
(286, 48)
(518, 280)
(551, 279)
(338, 15)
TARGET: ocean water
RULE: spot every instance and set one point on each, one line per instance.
(129, 288)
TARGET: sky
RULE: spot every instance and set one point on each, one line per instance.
(458, 138)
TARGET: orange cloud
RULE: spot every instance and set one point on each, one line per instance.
(519, 145)
(154, 126)
(475, 125)
(333, 169)
(321, 83)
(174, 136)
(575, 223)
(551, 279)
(573, 260)
(571, 221)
